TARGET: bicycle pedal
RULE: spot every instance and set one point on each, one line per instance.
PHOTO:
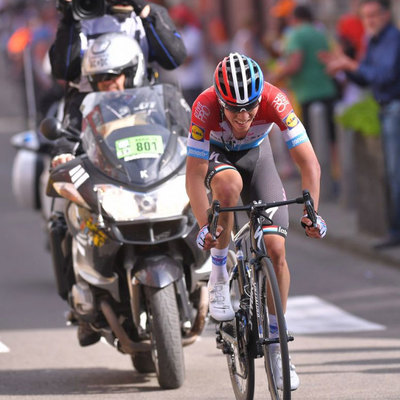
(268, 341)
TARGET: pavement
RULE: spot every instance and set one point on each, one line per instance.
(342, 227)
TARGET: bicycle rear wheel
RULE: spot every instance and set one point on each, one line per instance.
(268, 282)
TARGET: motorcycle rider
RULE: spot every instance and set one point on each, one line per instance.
(229, 154)
(116, 71)
(149, 24)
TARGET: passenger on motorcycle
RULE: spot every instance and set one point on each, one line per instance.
(149, 25)
(116, 71)
(229, 153)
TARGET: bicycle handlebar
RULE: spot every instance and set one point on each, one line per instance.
(216, 209)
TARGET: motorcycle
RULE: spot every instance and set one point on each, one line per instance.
(137, 275)
(31, 165)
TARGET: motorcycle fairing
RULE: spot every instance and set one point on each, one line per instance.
(137, 136)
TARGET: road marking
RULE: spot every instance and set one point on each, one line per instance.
(4, 348)
(311, 314)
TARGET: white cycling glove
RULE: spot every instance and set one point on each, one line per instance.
(201, 236)
(320, 223)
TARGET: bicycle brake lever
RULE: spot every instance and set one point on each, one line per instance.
(309, 204)
(213, 215)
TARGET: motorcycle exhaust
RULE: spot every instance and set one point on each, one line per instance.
(126, 345)
(200, 320)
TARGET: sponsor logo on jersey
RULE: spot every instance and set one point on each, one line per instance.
(197, 133)
(197, 153)
(291, 121)
(299, 139)
(280, 102)
(201, 112)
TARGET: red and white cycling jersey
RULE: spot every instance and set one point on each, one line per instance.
(207, 125)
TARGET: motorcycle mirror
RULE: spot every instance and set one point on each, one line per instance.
(51, 128)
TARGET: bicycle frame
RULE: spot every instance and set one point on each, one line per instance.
(251, 322)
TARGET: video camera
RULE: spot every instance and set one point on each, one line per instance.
(88, 9)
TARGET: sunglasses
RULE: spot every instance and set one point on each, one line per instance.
(103, 77)
(237, 109)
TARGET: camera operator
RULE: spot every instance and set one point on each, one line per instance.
(148, 23)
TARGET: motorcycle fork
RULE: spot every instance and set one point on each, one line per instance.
(183, 304)
(135, 292)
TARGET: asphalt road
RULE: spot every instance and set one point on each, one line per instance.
(343, 310)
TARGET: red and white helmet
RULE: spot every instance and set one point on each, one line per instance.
(238, 82)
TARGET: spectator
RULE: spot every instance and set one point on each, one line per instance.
(305, 72)
(380, 70)
(350, 35)
(190, 75)
(350, 32)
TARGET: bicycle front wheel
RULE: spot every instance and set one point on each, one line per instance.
(240, 365)
(269, 284)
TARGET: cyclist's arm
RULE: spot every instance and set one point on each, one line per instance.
(196, 170)
(304, 157)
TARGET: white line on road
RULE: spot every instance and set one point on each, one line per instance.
(4, 348)
(310, 314)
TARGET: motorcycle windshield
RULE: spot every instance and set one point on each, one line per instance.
(136, 136)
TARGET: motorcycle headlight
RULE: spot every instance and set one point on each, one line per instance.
(125, 205)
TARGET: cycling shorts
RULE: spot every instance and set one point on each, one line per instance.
(260, 178)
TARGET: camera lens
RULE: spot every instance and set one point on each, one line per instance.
(87, 5)
(86, 9)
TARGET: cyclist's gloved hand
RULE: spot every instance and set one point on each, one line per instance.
(204, 238)
(64, 6)
(138, 5)
(317, 232)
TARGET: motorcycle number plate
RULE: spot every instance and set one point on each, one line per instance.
(146, 146)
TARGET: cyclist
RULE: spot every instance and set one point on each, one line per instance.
(229, 154)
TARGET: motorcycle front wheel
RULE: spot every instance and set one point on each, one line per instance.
(143, 362)
(166, 338)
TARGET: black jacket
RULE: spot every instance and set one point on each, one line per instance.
(166, 46)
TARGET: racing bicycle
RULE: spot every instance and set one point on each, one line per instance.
(253, 285)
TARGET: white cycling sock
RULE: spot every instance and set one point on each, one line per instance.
(219, 272)
(273, 331)
(273, 326)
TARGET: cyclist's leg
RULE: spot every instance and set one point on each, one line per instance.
(262, 182)
(275, 245)
(225, 183)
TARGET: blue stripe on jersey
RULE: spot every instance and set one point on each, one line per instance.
(299, 139)
(240, 147)
(193, 152)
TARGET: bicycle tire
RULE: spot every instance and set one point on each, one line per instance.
(268, 273)
(240, 363)
(241, 370)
